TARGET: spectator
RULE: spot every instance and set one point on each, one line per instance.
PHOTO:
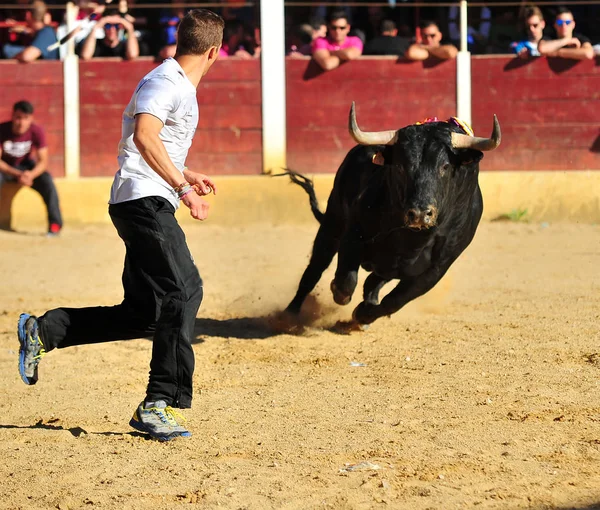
(111, 45)
(169, 21)
(478, 27)
(305, 35)
(24, 159)
(568, 44)
(430, 44)
(237, 42)
(505, 29)
(534, 25)
(329, 52)
(388, 43)
(42, 34)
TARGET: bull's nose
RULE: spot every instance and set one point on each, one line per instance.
(421, 218)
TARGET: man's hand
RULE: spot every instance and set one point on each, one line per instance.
(197, 206)
(200, 182)
(573, 42)
(25, 179)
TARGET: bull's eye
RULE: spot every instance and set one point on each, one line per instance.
(467, 162)
(444, 169)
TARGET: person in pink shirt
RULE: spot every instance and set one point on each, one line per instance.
(329, 52)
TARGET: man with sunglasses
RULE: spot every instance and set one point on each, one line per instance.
(430, 44)
(111, 45)
(329, 52)
(568, 43)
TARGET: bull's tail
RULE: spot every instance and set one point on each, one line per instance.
(307, 185)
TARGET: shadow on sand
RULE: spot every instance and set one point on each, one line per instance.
(75, 431)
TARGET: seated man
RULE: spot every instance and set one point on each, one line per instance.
(111, 45)
(534, 25)
(43, 35)
(388, 43)
(567, 44)
(329, 52)
(430, 44)
(20, 140)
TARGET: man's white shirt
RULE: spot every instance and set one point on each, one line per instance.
(165, 93)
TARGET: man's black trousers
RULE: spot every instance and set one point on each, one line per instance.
(163, 292)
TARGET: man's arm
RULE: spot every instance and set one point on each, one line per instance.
(556, 48)
(29, 54)
(586, 52)
(146, 138)
(42, 163)
(326, 60)
(416, 52)
(132, 48)
(444, 52)
(5, 168)
(88, 48)
(421, 52)
(348, 53)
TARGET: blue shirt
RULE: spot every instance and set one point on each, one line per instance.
(44, 38)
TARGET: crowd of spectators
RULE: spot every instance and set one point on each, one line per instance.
(331, 35)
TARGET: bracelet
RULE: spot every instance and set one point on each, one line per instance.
(183, 189)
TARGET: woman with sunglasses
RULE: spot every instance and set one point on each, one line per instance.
(568, 43)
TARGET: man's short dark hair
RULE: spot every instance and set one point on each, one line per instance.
(338, 14)
(426, 23)
(387, 25)
(198, 31)
(562, 10)
(316, 23)
(24, 107)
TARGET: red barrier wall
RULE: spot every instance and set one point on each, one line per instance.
(41, 84)
(548, 109)
(228, 138)
(389, 94)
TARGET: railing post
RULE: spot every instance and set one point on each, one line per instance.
(463, 70)
(272, 61)
(71, 101)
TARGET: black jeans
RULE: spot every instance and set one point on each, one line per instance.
(163, 292)
(44, 185)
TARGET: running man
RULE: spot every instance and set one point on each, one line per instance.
(162, 286)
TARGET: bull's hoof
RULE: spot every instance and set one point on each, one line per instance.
(338, 296)
(347, 327)
(285, 323)
(365, 313)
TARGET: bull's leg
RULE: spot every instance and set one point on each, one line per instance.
(346, 275)
(373, 284)
(407, 290)
(325, 247)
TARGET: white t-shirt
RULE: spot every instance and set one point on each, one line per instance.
(167, 94)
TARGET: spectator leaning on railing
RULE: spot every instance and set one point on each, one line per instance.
(329, 52)
(568, 44)
(388, 42)
(111, 45)
(534, 24)
(430, 44)
(43, 35)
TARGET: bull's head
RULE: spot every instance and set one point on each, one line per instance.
(435, 161)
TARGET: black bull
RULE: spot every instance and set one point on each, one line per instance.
(404, 205)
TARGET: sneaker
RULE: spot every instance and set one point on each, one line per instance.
(54, 230)
(31, 348)
(159, 420)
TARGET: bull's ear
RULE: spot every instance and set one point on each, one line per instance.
(378, 159)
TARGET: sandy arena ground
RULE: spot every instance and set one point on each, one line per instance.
(483, 394)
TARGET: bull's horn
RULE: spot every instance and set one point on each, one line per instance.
(369, 137)
(460, 141)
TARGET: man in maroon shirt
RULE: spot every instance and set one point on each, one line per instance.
(24, 159)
